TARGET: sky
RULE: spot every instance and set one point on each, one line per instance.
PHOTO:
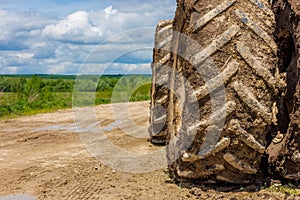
(79, 36)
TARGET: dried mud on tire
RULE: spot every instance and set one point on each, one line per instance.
(284, 155)
(229, 137)
(160, 82)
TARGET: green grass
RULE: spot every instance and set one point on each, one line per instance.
(287, 189)
(6, 96)
(32, 94)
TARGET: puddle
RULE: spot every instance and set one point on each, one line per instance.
(18, 197)
(58, 127)
(111, 126)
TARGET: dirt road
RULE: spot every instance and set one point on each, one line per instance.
(49, 156)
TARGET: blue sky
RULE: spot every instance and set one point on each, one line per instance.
(79, 36)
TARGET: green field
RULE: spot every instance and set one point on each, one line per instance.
(31, 94)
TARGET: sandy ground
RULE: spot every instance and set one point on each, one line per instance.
(75, 154)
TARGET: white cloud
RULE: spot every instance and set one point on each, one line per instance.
(109, 11)
(17, 28)
(75, 28)
(16, 58)
(95, 26)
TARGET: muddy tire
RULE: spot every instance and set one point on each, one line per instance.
(221, 121)
(160, 82)
(284, 150)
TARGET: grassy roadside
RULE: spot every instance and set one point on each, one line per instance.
(23, 96)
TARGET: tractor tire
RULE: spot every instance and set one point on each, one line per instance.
(160, 82)
(284, 150)
(218, 129)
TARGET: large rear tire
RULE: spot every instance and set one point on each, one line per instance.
(227, 140)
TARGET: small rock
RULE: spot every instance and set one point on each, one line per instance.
(196, 191)
(275, 183)
(169, 180)
(166, 170)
